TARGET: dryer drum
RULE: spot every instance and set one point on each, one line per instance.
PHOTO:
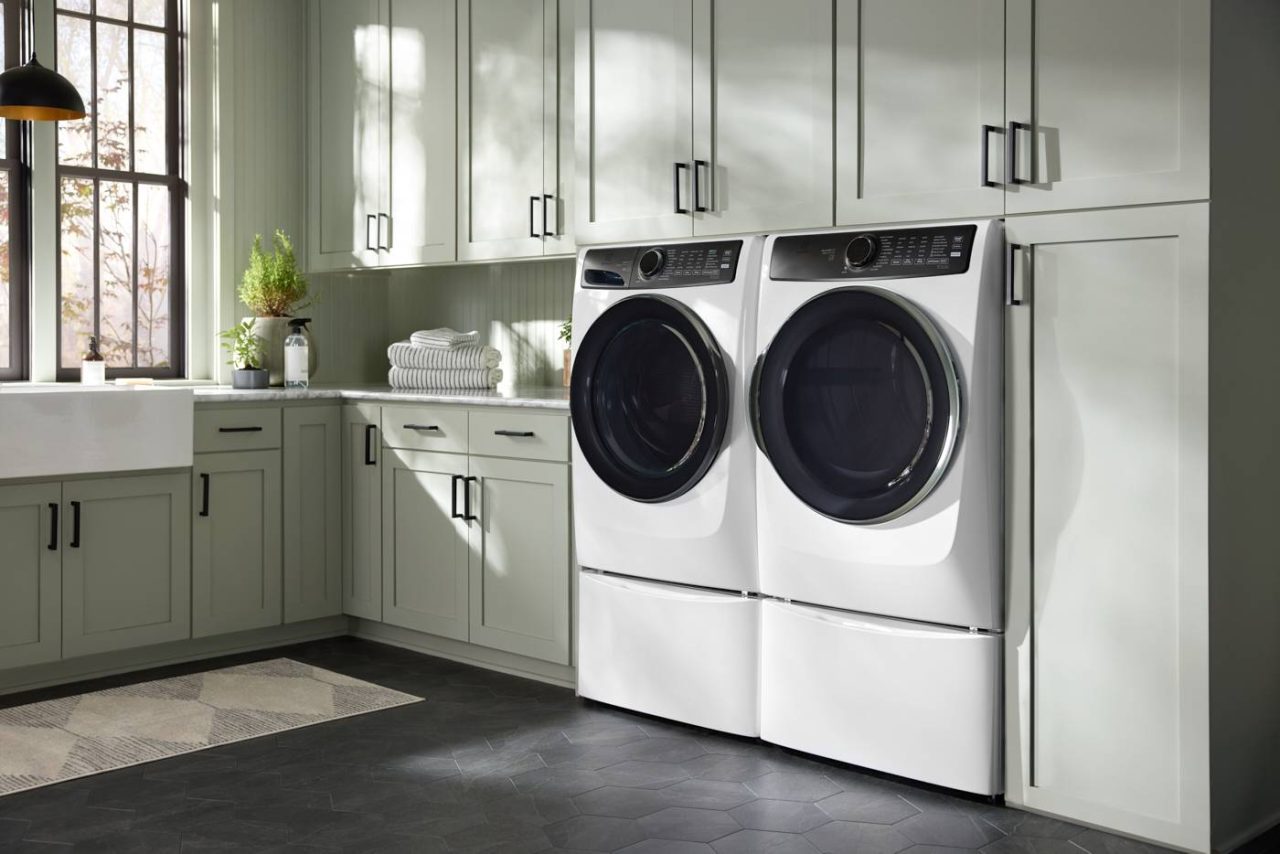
(856, 403)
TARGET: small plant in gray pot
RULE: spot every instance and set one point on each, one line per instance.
(245, 349)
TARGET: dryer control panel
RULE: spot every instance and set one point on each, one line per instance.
(886, 254)
(668, 266)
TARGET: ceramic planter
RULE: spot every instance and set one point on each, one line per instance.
(249, 378)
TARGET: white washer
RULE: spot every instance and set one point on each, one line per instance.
(663, 480)
(877, 407)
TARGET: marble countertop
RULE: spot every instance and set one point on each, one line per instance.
(531, 397)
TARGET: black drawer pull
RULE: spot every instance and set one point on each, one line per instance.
(239, 429)
(369, 430)
(522, 434)
(466, 498)
(204, 493)
(53, 530)
(75, 524)
(453, 490)
(431, 428)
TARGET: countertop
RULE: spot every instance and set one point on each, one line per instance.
(530, 397)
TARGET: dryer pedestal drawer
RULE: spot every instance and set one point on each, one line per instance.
(675, 652)
(910, 699)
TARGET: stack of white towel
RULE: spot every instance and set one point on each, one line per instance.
(443, 359)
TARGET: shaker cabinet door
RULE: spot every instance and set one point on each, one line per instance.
(312, 506)
(30, 574)
(362, 453)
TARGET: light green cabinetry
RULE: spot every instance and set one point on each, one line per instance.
(30, 574)
(362, 511)
(236, 573)
(126, 562)
(312, 503)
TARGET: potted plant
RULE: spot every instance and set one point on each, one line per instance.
(273, 288)
(245, 349)
(566, 335)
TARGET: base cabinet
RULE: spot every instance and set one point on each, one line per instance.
(30, 575)
(126, 562)
(312, 482)
(362, 512)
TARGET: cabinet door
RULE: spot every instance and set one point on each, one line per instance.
(348, 62)
(236, 578)
(30, 575)
(501, 115)
(312, 482)
(126, 562)
(634, 118)
(520, 566)
(557, 146)
(916, 83)
(424, 542)
(361, 512)
(1109, 525)
(419, 210)
(1116, 101)
(763, 116)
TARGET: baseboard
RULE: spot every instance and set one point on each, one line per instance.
(123, 661)
(1247, 841)
(466, 653)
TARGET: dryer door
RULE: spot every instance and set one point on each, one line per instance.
(649, 398)
(856, 403)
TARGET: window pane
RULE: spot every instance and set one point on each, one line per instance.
(153, 276)
(74, 5)
(75, 139)
(114, 9)
(115, 272)
(76, 269)
(149, 105)
(6, 357)
(149, 12)
(113, 97)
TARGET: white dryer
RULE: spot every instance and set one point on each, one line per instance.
(877, 408)
(663, 480)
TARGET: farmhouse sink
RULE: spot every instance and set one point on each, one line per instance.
(56, 431)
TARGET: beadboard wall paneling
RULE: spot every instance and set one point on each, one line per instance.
(517, 307)
(349, 327)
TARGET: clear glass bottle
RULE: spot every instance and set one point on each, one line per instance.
(297, 355)
(93, 370)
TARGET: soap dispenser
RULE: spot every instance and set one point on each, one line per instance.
(297, 354)
(93, 370)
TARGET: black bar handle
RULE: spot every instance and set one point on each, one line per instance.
(204, 493)
(369, 430)
(987, 130)
(698, 166)
(523, 434)
(431, 428)
(53, 526)
(1011, 262)
(555, 211)
(384, 246)
(453, 490)
(679, 208)
(533, 214)
(239, 429)
(1011, 154)
(466, 498)
(75, 524)
(368, 241)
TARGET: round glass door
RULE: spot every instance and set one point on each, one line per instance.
(857, 405)
(649, 398)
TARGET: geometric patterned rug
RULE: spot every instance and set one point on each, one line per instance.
(71, 737)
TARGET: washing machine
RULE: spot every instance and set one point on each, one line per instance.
(664, 480)
(877, 408)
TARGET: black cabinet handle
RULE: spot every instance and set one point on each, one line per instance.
(453, 489)
(368, 241)
(53, 527)
(369, 430)
(75, 524)
(239, 429)
(1011, 153)
(384, 246)
(987, 130)
(524, 434)
(698, 167)
(533, 214)
(466, 498)
(1011, 262)
(432, 428)
(204, 493)
(547, 231)
(680, 209)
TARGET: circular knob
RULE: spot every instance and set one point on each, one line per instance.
(862, 250)
(652, 262)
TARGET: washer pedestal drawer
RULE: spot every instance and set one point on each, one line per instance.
(679, 653)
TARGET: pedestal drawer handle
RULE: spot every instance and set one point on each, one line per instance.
(434, 428)
(239, 429)
(523, 434)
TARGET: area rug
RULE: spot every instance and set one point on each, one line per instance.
(85, 734)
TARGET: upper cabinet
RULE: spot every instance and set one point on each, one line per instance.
(515, 147)
(692, 120)
(382, 133)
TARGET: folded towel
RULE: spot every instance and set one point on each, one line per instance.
(445, 378)
(444, 337)
(405, 355)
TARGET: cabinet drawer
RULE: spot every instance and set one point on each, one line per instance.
(237, 429)
(502, 433)
(425, 428)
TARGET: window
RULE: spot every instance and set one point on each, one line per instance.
(120, 189)
(13, 215)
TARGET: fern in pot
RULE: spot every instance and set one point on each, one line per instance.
(245, 349)
(273, 288)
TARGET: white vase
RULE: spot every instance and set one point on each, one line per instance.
(272, 331)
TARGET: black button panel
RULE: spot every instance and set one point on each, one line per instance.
(681, 265)
(902, 253)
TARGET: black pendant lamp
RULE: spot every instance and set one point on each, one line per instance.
(32, 92)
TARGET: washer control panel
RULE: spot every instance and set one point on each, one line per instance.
(898, 253)
(666, 266)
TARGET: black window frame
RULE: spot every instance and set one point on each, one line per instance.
(16, 162)
(174, 179)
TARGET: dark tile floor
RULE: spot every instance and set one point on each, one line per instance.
(494, 763)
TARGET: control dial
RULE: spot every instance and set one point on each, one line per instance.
(862, 250)
(651, 262)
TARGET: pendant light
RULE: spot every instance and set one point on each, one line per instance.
(35, 93)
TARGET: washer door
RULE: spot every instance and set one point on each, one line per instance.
(649, 398)
(856, 403)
